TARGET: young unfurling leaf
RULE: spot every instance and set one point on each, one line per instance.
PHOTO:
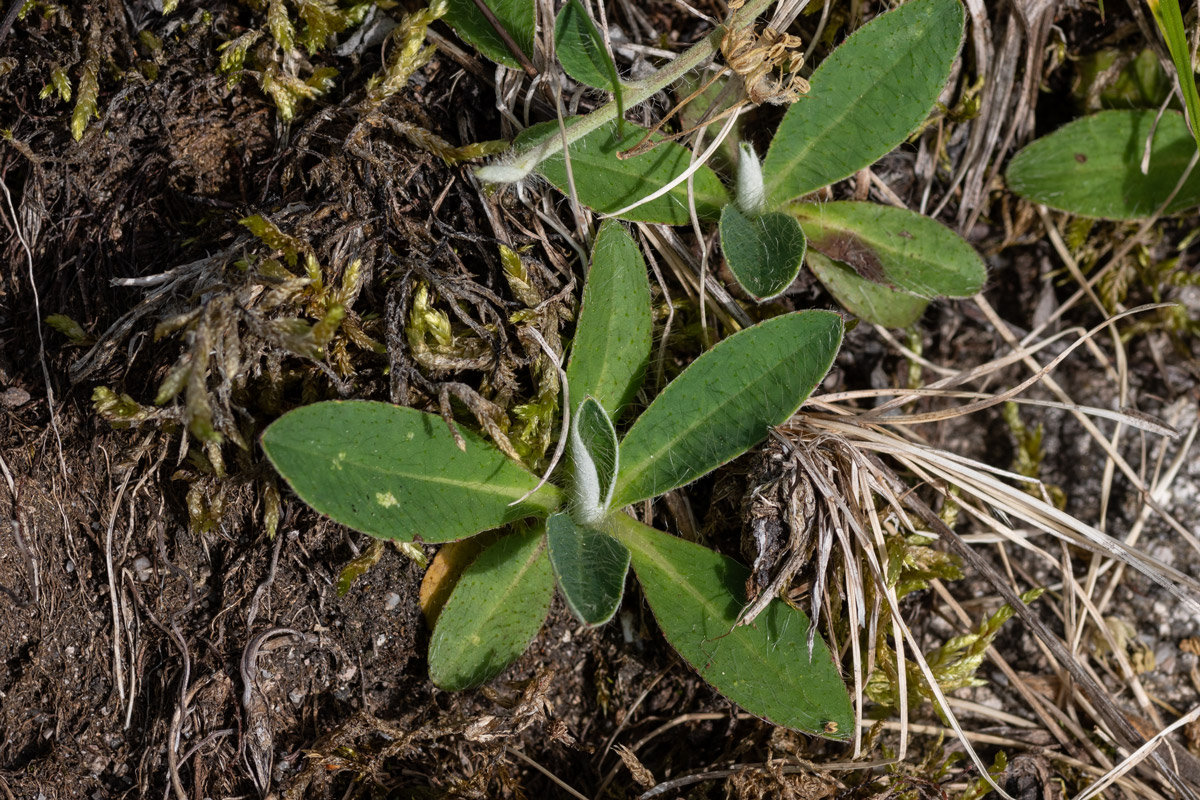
(594, 457)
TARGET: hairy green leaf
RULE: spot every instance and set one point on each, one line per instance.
(496, 609)
(397, 473)
(582, 53)
(766, 667)
(606, 183)
(518, 17)
(594, 456)
(590, 566)
(580, 49)
(866, 97)
(1092, 166)
(613, 335)
(894, 247)
(725, 402)
(764, 252)
(864, 298)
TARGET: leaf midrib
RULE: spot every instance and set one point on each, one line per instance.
(480, 487)
(628, 476)
(664, 564)
(783, 171)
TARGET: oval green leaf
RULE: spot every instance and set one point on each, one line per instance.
(518, 17)
(725, 402)
(764, 252)
(894, 247)
(396, 472)
(864, 298)
(580, 49)
(766, 667)
(1092, 166)
(606, 183)
(613, 334)
(590, 566)
(496, 609)
(866, 97)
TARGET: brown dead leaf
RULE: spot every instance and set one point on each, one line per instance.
(444, 571)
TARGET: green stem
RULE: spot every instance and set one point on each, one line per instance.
(524, 162)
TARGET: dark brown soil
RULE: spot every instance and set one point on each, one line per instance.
(156, 639)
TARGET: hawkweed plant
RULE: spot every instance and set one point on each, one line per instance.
(399, 473)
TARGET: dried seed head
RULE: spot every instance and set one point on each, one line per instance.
(767, 64)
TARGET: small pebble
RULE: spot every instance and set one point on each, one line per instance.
(14, 397)
(141, 567)
(391, 600)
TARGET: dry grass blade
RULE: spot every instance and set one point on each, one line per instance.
(982, 488)
(696, 164)
(1088, 425)
(1025, 384)
(1006, 109)
(1128, 417)
(684, 267)
(847, 479)
(1138, 755)
(977, 481)
(37, 303)
(557, 780)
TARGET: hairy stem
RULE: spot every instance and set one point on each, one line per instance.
(523, 162)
